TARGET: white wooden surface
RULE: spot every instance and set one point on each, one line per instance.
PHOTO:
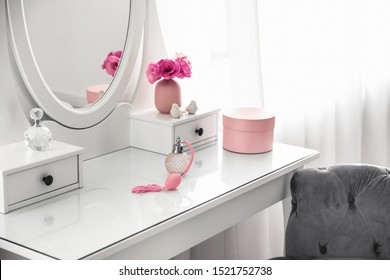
(106, 220)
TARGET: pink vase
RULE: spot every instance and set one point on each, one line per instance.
(166, 93)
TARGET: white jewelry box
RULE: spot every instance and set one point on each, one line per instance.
(156, 132)
(27, 176)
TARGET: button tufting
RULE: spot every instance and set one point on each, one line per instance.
(351, 200)
(323, 249)
(377, 249)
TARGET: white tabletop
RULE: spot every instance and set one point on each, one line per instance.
(105, 211)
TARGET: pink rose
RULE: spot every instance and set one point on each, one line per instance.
(185, 67)
(111, 63)
(179, 67)
(168, 68)
(118, 53)
(153, 73)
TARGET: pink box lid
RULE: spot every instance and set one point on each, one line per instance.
(248, 119)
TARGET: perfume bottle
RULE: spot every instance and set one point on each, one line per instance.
(178, 161)
(177, 164)
(37, 137)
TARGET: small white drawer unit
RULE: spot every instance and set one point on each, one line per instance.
(27, 176)
(156, 132)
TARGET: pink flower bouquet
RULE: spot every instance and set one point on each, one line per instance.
(111, 63)
(180, 67)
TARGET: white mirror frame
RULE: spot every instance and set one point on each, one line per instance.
(41, 93)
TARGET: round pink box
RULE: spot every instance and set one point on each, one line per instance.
(94, 93)
(248, 130)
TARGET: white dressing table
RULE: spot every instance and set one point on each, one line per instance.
(104, 220)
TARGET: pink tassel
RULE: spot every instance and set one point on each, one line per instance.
(147, 188)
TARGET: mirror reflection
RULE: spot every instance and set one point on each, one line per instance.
(77, 45)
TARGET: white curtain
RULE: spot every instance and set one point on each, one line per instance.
(326, 72)
(322, 66)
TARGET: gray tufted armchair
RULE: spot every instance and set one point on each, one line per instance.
(339, 212)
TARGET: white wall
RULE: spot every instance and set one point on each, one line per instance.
(12, 119)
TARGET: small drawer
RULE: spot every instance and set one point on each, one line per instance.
(30, 183)
(199, 130)
(27, 176)
(156, 132)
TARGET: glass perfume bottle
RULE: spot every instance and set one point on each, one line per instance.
(37, 137)
(178, 161)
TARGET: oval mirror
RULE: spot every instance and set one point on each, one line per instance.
(77, 58)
